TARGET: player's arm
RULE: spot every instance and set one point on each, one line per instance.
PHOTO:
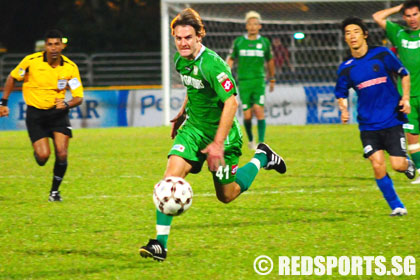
(179, 118)
(76, 88)
(380, 16)
(61, 104)
(271, 73)
(343, 106)
(215, 150)
(230, 61)
(8, 87)
(405, 100)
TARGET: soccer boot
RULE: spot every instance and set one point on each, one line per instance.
(54, 196)
(416, 182)
(398, 212)
(252, 145)
(411, 170)
(154, 250)
(274, 161)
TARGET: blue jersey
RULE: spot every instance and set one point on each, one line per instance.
(371, 76)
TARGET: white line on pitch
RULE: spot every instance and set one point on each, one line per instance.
(246, 193)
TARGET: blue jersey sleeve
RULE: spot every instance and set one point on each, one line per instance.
(393, 64)
(342, 86)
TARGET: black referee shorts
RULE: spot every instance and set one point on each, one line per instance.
(390, 139)
(42, 123)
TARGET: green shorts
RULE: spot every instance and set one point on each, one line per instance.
(190, 141)
(252, 92)
(413, 118)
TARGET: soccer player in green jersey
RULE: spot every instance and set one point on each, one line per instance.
(206, 127)
(407, 41)
(251, 52)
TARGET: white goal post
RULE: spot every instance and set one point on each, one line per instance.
(314, 60)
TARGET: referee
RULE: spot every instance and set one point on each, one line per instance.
(46, 76)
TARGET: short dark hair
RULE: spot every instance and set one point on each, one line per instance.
(53, 33)
(356, 21)
(189, 17)
(410, 4)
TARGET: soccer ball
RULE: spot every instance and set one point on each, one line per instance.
(172, 196)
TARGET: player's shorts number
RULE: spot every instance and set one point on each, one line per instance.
(223, 171)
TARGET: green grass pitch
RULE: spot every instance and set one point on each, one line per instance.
(327, 204)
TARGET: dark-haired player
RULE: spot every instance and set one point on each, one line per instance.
(381, 110)
(46, 76)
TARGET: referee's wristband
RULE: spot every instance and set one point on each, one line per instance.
(67, 104)
(3, 102)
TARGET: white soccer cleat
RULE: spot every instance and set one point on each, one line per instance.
(417, 181)
(252, 145)
(398, 212)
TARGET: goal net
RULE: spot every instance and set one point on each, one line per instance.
(306, 37)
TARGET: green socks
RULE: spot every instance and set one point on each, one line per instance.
(261, 130)
(246, 174)
(416, 159)
(248, 129)
(163, 226)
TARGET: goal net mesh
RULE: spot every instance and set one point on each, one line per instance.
(314, 58)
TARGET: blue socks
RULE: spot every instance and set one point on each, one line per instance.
(387, 188)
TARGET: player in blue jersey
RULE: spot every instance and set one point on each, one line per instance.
(381, 111)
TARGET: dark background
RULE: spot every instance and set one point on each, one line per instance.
(90, 25)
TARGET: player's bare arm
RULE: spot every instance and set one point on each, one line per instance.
(405, 100)
(343, 106)
(179, 118)
(8, 87)
(271, 73)
(230, 62)
(381, 16)
(61, 104)
(215, 150)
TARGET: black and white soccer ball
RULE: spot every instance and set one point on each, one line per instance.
(172, 196)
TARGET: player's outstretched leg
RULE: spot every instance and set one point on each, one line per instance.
(154, 250)
(264, 157)
(274, 161)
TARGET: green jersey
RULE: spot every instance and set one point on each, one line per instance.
(209, 84)
(407, 43)
(251, 55)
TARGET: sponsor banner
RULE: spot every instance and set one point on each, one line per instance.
(287, 104)
(99, 109)
(322, 106)
(145, 107)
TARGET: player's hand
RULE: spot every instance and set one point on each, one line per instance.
(272, 83)
(4, 111)
(345, 116)
(405, 106)
(176, 123)
(215, 155)
(60, 104)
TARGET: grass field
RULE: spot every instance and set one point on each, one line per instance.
(327, 204)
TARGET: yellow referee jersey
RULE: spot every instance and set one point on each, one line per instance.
(42, 84)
